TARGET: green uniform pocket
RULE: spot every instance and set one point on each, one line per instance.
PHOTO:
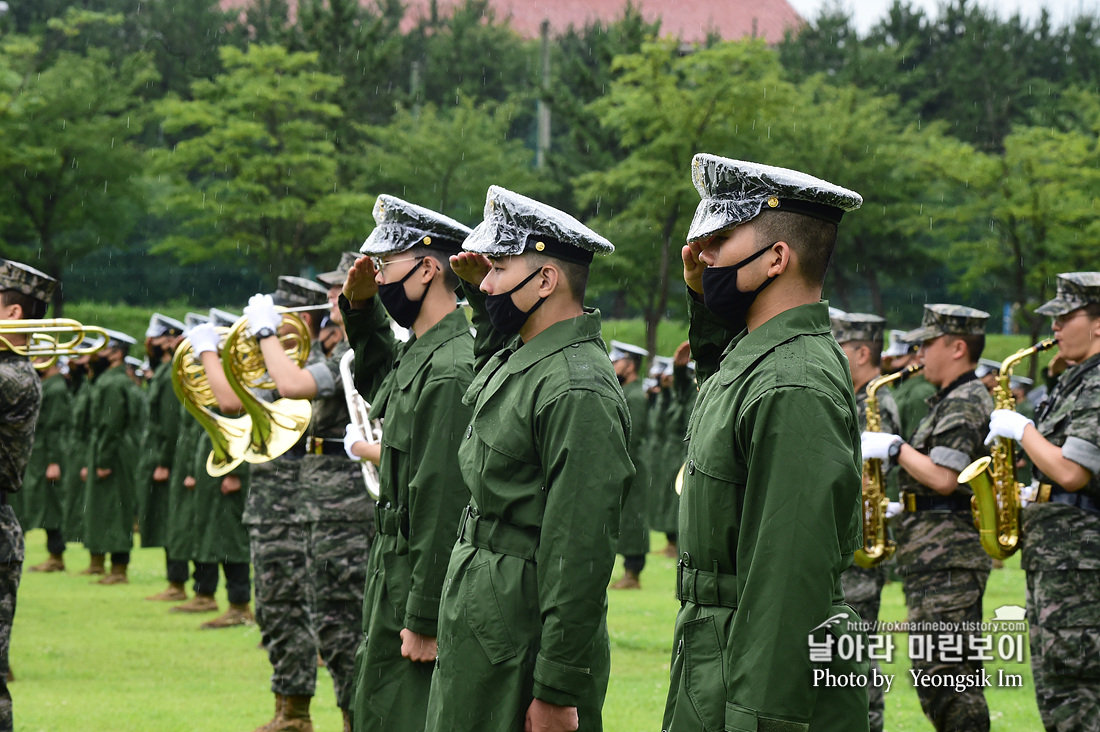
(705, 673)
(484, 616)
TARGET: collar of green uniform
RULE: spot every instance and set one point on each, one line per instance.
(419, 350)
(560, 335)
(750, 346)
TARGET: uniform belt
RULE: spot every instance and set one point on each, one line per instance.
(912, 503)
(496, 536)
(1077, 499)
(318, 446)
(387, 520)
(706, 588)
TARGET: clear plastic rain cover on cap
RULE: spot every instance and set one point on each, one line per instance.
(510, 218)
(401, 225)
(734, 191)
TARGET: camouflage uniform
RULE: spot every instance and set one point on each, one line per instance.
(20, 400)
(863, 587)
(1061, 552)
(943, 566)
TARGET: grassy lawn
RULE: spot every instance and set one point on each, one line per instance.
(94, 658)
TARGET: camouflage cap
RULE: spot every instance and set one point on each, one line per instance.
(620, 350)
(403, 225)
(940, 319)
(298, 292)
(898, 346)
(336, 277)
(734, 192)
(162, 325)
(858, 327)
(515, 224)
(1075, 290)
(25, 279)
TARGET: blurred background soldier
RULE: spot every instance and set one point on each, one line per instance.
(81, 378)
(524, 608)
(44, 496)
(667, 449)
(911, 395)
(633, 531)
(1062, 549)
(334, 540)
(987, 371)
(943, 566)
(158, 448)
(24, 294)
(109, 497)
(860, 336)
(422, 493)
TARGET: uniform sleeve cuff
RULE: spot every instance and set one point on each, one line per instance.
(949, 457)
(421, 612)
(557, 683)
(1082, 452)
(421, 625)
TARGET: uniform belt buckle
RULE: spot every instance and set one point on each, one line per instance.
(909, 501)
(315, 445)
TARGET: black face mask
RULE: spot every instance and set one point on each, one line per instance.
(99, 366)
(503, 313)
(720, 293)
(397, 303)
(156, 353)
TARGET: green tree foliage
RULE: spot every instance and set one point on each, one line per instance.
(663, 108)
(253, 169)
(446, 158)
(69, 170)
(1018, 219)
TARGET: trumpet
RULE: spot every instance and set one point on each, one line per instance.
(278, 426)
(52, 338)
(229, 437)
(359, 411)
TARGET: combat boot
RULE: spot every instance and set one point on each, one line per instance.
(295, 716)
(56, 563)
(272, 725)
(174, 593)
(347, 720)
(231, 618)
(116, 577)
(95, 566)
(630, 581)
(197, 604)
(671, 551)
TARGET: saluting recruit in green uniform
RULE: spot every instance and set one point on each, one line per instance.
(860, 336)
(421, 491)
(943, 566)
(523, 620)
(770, 509)
(1062, 536)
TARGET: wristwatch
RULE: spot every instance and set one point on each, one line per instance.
(895, 448)
(264, 333)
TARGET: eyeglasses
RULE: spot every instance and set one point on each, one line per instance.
(1061, 320)
(380, 266)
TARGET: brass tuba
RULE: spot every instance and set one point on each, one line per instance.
(278, 426)
(229, 437)
(877, 546)
(996, 501)
(359, 413)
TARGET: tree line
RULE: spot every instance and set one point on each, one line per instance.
(154, 149)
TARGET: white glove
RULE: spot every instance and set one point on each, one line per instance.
(876, 445)
(353, 434)
(1006, 423)
(204, 338)
(261, 314)
(893, 508)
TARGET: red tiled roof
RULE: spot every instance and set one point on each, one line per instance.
(691, 20)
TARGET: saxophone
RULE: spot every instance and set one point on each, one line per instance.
(877, 546)
(996, 501)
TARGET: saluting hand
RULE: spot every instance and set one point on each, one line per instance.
(360, 284)
(682, 355)
(471, 266)
(693, 266)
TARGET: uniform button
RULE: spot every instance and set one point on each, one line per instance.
(686, 559)
(691, 467)
(469, 431)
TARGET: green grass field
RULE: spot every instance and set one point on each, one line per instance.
(101, 659)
